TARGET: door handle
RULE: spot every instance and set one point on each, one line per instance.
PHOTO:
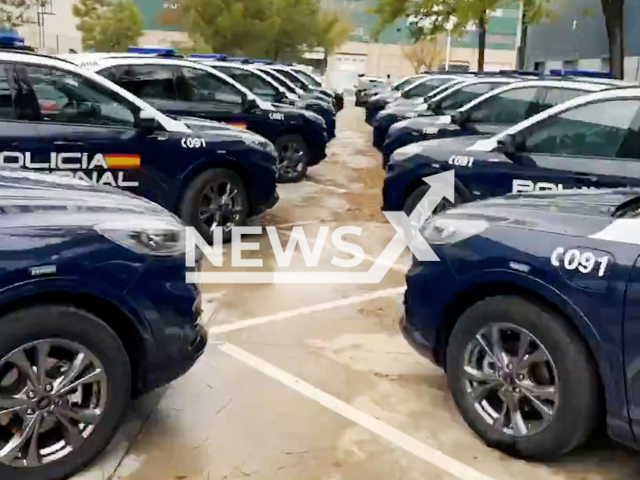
(67, 142)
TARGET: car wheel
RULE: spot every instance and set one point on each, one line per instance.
(522, 378)
(293, 158)
(215, 198)
(64, 384)
(418, 194)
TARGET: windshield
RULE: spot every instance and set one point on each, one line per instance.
(283, 82)
(404, 83)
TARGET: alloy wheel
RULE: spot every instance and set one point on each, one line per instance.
(511, 380)
(220, 205)
(291, 158)
(52, 395)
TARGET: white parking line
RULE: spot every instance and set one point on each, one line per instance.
(228, 327)
(389, 433)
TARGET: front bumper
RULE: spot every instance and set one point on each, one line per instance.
(170, 308)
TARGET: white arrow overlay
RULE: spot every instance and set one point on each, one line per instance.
(407, 235)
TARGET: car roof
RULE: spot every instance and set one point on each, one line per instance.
(100, 63)
(214, 64)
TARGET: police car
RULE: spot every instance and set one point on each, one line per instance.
(265, 88)
(421, 88)
(181, 87)
(402, 84)
(489, 114)
(533, 307)
(94, 308)
(456, 96)
(57, 117)
(307, 83)
(590, 142)
(368, 85)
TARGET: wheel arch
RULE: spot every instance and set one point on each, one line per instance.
(552, 300)
(417, 182)
(211, 164)
(115, 317)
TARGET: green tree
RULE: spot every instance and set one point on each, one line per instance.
(108, 25)
(14, 13)
(332, 31)
(274, 29)
(432, 17)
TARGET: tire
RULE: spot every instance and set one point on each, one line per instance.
(68, 324)
(417, 195)
(196, 193)
(576, 380)
(296, 172)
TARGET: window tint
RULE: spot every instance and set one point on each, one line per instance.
(203, 86)
(150, 81)
(423, 89)
(56, 96)
(111, 73)
(467, 94)
(254, 82)
(309, 78)
(556, 96)
(293, 79)
(506, 108)
(603, 129)
(7, 106)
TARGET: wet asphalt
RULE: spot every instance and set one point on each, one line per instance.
(308, 381)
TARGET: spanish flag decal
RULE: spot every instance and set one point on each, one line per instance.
(122, 160)
(240, 125)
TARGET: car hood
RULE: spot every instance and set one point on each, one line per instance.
(31, 199)
(580, 213)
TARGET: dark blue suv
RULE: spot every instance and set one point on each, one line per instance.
(532, 310)
(94, 309)
(57, 117)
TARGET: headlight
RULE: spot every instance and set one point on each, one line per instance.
(447, 231)
(157, 237)
(406, 152)
(261, 143)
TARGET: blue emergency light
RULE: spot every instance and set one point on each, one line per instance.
(152, 50)
(580, 73)
(239, 59)
(209, 56)
(12, 39)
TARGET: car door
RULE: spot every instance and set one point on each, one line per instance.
(92, 134)
(497, 113)
(589, 146)
(17, 135)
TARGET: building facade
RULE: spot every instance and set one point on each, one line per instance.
(576, 37)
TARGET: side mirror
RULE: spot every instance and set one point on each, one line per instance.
(508, 145)
(148, 123)
(460, 118)
(249, 103)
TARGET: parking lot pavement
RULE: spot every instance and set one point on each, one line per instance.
(305, 381)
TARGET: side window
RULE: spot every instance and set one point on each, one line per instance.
(467, 94)
(56, 96)
(603, 129)
(556, 96)
(111, 73)
(293, 79)
(206, 87)
(253, 82)
(506, 108)
(155, 82)
(7, 93)
(423, 89)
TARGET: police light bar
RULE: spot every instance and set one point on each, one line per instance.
(209, 56)
(580, 73)
(12, 39)
(152, 50)
(262, 62)
(239, 59)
